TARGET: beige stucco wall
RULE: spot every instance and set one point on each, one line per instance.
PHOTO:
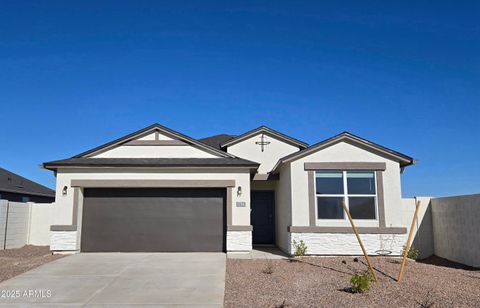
(344, 152)
(277, 149)
(154, 136)
(64, 204)
(41, 216)
(126, 151)
(283, 211)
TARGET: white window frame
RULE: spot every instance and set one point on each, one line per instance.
(345, 196)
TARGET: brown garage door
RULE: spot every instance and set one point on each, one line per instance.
(153, 219)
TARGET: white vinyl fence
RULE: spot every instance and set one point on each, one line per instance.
(24, 224)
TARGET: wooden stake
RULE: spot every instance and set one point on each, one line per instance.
(409, 242)
(359, 241)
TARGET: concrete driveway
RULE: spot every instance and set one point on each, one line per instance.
(116, 279)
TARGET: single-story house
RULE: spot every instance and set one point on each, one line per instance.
(16, 188)
(159, 190)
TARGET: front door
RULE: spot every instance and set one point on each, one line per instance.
(263, 217)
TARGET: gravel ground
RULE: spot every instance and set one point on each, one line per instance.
(324, 282)
(16, 261)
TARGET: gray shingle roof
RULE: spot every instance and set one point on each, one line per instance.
(150, 162)
(215, 141)
(11, 182)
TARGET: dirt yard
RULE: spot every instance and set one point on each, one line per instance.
(16, 261)
(325, 282)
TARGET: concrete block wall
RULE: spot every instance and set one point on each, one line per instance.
(456, 228)
(18, 224)
(3, 219)
(25, 223)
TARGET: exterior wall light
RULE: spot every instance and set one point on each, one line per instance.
(239, 191)
(64, 190)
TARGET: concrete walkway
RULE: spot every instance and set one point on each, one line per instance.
(121, 279)
(259, 252)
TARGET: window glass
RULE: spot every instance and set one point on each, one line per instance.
(329, 182)
(361, 183)
(25, 199)
(330, 207)
(362, 207)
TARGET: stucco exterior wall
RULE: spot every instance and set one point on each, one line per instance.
(345, 152)
(41, 216)
(154, 136)
(248, 149)
(283, 209)
(64, 204)
(136, 151)
(423, 230)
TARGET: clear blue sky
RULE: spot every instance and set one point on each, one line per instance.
(74, 75)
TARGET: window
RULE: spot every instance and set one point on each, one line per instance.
(357, 188)
(25, 199)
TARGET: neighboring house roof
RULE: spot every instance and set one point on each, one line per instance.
(152, 128)
(217, 140)
(150, 162)
(14, 183)
(403, 159)
(266, 130)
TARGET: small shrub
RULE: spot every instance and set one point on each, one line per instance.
(268, 268)
(361, 282)
(412, 253)
(300, 248)
(282, 305)
(355, 259)
(427, 302)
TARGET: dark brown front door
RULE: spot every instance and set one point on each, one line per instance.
(153, 220)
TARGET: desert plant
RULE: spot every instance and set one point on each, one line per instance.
(412, 252)
(427, 301)
(268, 268)
(300, 248)
(361, 282)
(282, 305)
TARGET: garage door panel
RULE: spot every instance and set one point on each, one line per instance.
(152, 219)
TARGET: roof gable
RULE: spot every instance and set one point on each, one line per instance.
(153, 135)
(365, 144)
(267, 131)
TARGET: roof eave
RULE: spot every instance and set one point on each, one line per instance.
(402, 159)
(28, 192)
(54, 167)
